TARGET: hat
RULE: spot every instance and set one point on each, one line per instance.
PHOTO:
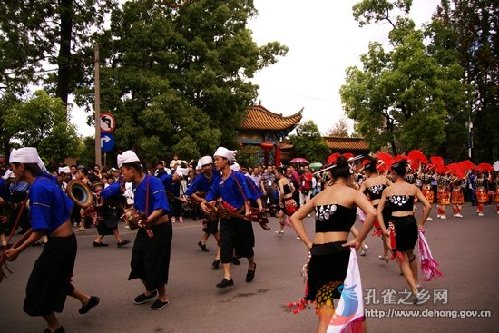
(205, 160)
(65, 169)
(235, 166)
(26, 155)
(114, 170)
(80, 167)
(9, 174)
(225, 153)
(128, 156)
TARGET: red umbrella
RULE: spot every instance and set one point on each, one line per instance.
(456, 169)
(484, 167)
(331, 159)
(417, 155)
(299, 160)
(439, 163)
(347, 155)
(467, 165)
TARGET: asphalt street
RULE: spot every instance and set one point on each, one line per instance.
(467, 250)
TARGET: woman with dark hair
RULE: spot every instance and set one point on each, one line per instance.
(398, 199)
(287, 205)
(335, 213)
(374, 186)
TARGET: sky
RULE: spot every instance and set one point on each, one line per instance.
(323, 40)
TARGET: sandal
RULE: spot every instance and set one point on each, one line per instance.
(385, 258)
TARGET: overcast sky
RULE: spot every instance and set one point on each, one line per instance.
(323, 40)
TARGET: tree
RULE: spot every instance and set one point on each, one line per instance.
(176, 79)
(41, 123)
(308, 142)
(468, 31)
(340, 129)
(402, 97)
(49, 41)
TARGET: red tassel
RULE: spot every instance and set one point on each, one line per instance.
(393, 241)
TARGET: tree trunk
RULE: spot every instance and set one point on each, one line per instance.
(64, 58)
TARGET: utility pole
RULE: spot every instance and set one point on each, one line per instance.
(98, 157)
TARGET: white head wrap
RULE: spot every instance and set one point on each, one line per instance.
(127, 157)
(205, 160)
(65, 169)
(225, 153)
(9, 174)
(235, 166)
(26, 155)
(198, 167)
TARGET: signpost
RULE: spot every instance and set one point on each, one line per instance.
(107, 142)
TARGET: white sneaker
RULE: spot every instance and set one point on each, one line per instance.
(438, 216)
(173, 219)
(443, 217)
(279, 232)
(429, 219)
(458, 215)
(481, 214)
(497, 212)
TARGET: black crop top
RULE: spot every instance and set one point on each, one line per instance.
(287, 189)
(334, 217)
(401, 203)
(374, 192)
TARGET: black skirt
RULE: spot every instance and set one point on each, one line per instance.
(151, 256)
(406, 232)
(327, 269)
(109, 221)
(50, 280)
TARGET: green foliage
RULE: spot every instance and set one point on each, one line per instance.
(308, 142)
(406, 97)
(41, 123)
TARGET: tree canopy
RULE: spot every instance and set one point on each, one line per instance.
(308, 142)
(403, 96)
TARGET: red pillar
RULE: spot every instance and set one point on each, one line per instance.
(277, 157)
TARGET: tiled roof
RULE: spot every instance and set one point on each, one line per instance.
(259, 118)
(337, 143)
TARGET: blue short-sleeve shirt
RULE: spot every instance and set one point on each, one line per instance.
(157, 195)
(234, 190)
(50, 207)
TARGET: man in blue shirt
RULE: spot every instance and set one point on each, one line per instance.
(50, 207)
(151, 251)
(197, 191)
(236, 234)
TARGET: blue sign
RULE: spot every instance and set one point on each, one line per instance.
(106, 142)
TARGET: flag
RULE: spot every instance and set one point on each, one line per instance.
(349, 313)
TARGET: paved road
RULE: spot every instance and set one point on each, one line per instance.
(467, 250)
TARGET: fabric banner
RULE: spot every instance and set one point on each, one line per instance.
(349, 313)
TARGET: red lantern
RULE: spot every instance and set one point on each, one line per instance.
(266, 146)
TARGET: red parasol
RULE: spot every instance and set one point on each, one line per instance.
(483, 167)
(347, 155)
(417, 155)
(332, 158)
(467, 165)
(438, 161)
(457, 170)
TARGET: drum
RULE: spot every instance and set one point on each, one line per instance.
(481, 195)
(443, 197)
(428, 193)
(457, 197)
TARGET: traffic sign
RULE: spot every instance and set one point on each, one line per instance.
(106, 142)
(107, 123)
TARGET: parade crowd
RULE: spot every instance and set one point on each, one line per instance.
(49, 207)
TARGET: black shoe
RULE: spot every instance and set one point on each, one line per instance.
(143, 298)
(123, 243)
(203, 247)
(100, 244)
(236, 261)
(92, 302)
(251, 274)
(159, 304)
(215, 264)
(225, 283)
